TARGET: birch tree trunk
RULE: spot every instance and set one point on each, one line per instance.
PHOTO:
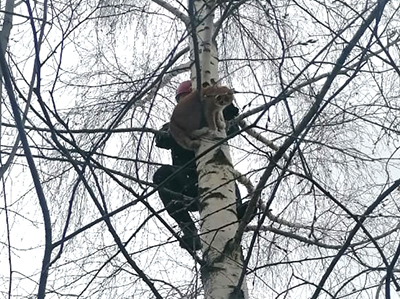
(218, 217)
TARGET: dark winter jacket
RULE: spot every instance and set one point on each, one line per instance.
(181, 156)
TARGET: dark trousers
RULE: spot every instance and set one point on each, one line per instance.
(184, 183)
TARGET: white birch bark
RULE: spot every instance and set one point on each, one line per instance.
(207, 48)
(219, 223)
(218, 217)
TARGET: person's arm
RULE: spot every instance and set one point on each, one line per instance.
(163, 137)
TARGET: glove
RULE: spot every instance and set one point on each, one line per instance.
(163, 138)
(230, 112)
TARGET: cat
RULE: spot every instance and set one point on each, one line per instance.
(187, 116)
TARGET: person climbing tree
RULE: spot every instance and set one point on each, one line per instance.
(186, 182)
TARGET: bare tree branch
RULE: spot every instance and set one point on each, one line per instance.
(35, 177)
(180, 15)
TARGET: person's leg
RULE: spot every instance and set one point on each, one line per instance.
(175, 205)
(191, 189)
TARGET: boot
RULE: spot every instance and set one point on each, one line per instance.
(190, 238)
(191, 242)
(241, 209)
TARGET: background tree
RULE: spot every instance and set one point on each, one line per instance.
(318, 87)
